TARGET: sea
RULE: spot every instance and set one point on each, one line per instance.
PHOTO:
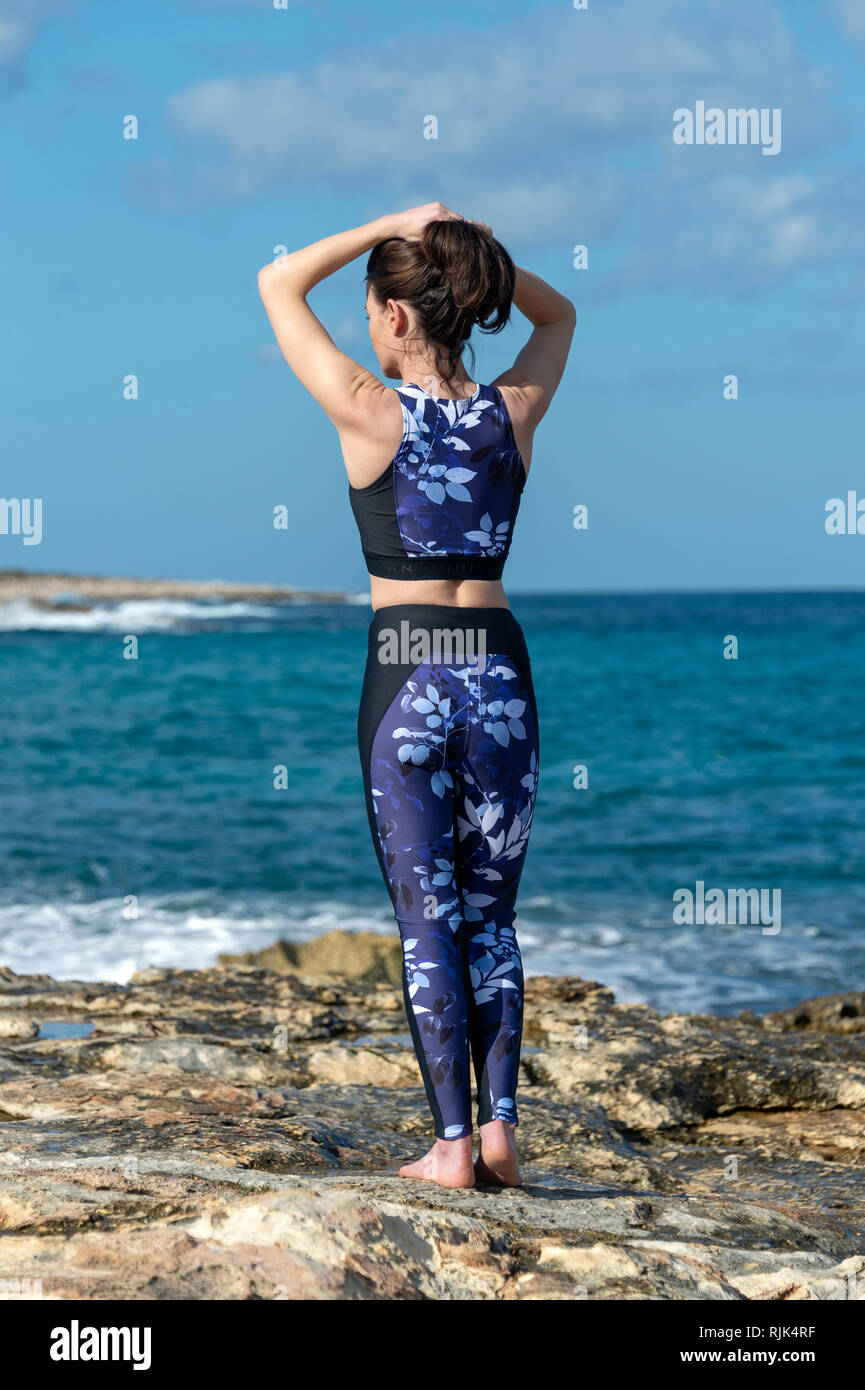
(691, 745)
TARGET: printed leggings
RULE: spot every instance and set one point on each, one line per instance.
(448, 741)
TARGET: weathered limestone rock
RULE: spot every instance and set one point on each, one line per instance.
(365, 955)
(235, 1133)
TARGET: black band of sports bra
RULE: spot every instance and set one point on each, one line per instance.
(435, 566)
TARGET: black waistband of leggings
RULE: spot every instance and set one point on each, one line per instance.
(500, 627)
(454, 633)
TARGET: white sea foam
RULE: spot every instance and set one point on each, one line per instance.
(139, 615)
(93, 940)
(649, 963)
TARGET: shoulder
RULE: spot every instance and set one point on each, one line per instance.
(372, 409)
(522, 402)
(371, 433)
(523, 415)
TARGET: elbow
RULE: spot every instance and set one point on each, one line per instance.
(570, 313)
(276, 274)
(265, 279)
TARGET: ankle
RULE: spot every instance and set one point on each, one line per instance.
(455, 1148)
(500, 1133)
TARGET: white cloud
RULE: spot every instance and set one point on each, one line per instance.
(553, 129)
(20, 23)
(15, 38)
(851, 17)
(611, 77)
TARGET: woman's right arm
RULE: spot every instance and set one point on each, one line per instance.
(532, 381)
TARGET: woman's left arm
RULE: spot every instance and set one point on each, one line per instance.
(340, 385)
(346, 391)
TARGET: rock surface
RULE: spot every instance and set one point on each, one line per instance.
(364, 955)
(235, 1133)
(43, 588)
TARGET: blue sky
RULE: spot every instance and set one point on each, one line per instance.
(261, 127)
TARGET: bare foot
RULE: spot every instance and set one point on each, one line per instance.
(449, 1163)
(498, 1160)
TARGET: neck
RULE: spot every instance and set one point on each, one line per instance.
(423, 373)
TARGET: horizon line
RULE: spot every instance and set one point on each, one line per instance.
(24, 574)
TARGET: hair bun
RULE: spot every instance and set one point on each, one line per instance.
(456, 277)
(476, 267)
(432, 248)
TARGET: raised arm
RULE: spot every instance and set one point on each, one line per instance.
(342, 387)
(531, 382)
(352, 396)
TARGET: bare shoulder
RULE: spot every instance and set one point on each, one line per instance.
(521, 401)
(377, 409)
(524, 415)
(371, 434)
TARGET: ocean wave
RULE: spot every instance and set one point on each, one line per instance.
(663, 967)
(144, 615)
(93, 939)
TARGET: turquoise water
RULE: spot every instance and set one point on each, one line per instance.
(141, 824)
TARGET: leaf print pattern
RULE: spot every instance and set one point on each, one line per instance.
(457, 475)
(453, 780)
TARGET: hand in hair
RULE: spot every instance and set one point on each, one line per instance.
(409, 225)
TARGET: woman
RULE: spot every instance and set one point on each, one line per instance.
(448, 724)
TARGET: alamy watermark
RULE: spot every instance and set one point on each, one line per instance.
(716, 907)
(845, 517)
(77, 1343)
(26, 1290)
(432, 646)
(735, 126)
(21, 516)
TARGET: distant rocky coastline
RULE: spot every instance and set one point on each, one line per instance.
(44, 590)
(234, 1133)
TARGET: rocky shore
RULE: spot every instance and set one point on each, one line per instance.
(234, 1133)
(44, 590)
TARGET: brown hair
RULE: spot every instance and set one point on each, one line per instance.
(456, 278)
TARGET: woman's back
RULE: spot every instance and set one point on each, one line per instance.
(444, 508)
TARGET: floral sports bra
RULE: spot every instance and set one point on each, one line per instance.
(445, 507)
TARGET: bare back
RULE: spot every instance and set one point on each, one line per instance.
(368, 454)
